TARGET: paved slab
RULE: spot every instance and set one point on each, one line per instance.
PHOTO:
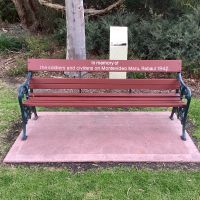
(103, 136)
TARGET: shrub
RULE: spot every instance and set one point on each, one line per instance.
(60, 31)
(98, 31)
(153, 38)
(170, 8)
(39, 46)
(169, 39)
(19, 69)
(8, 11)
(10, 43)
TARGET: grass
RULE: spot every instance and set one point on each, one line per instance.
(35, 47)
(9, 114)
(39, 47)
(118, 183)
(194, 115)
(9, 111)
(19, 70)
(10, 43)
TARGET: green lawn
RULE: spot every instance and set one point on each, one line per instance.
(115, 183)
(9, 114)
(9, 110)
(194, 114)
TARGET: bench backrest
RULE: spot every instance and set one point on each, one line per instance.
(103, 66)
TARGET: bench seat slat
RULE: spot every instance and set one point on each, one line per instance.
(106, 104)
(39, 94)
(81, 86)
(127, 100)
(60, 83)
(103, 99)
(101, 81)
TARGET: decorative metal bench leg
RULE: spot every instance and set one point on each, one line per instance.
(26, 114)
(173, 112)
(183, 121)
(35, 113)
(24, 136)
(183, 136)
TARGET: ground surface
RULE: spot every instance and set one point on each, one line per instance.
(103, 137)
(88, 180)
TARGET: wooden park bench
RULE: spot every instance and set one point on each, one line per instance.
(172, 91)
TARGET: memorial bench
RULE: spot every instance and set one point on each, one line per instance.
(172, 91)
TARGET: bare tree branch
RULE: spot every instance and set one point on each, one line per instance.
(105, 10)
(87, 11)
(52, 5)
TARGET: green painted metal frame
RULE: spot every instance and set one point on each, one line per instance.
(26, 111)
(182, 112)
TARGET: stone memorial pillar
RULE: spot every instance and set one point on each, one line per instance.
(118, 48)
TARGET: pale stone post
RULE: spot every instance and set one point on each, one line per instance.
(118, 48)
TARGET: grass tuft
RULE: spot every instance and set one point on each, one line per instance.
(9, 115)
(194, 115)
(115, 183)
(10, 43)
(19, 70)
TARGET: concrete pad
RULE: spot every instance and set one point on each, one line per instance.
(102, 137)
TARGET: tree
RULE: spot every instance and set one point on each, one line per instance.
(89, 11)
(28, 13)
(75, 29)
(27, 10)
(76, 24)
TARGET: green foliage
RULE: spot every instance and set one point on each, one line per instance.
(155, 38)
(9, 114)
(98, 4)
(39, 46)
(169, 39)
(188, 3)
(147, 8)
(8, 107)
(194, 115)
(136, 75)
(8, 11)
(19, 70)
(48, 19)
(60, 31)
(98, 31)
(10, 43)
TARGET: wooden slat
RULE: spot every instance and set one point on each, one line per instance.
(101, 81)
(162, 95)
(104, 65)
(58, 83)
(106, 104)
(66, 99)
(143, 100)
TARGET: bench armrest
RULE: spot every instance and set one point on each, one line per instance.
(23, 89)
(184, 89)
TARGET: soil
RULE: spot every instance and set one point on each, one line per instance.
(84, 166)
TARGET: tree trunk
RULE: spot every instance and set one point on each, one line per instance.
(75, 29)
(27, 11)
